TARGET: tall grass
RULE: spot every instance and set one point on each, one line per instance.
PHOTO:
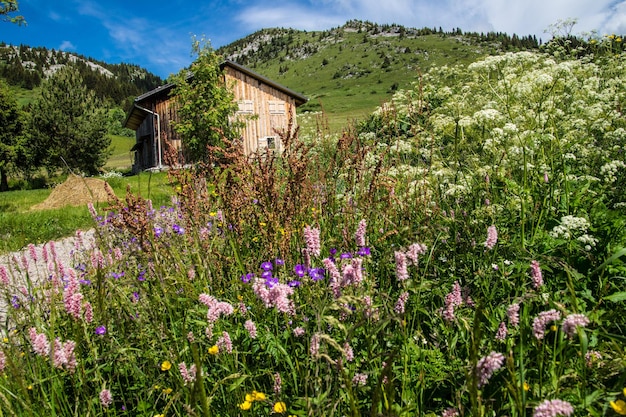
(441, 259)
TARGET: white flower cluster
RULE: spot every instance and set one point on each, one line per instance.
(609, 171)
(570, 225)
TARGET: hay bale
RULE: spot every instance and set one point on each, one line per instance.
(76, 191)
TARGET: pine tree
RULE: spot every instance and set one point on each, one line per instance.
(12, 141)
(69, 125)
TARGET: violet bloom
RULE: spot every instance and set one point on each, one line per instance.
(247, 277)
(487, 366)
(294, 283)
(553, 408)
(101, 330)
(299, 270)
(316, 274)
(267, 266)
(492, 237)
(364, 251)
(279, 262)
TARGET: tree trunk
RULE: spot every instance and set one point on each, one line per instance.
(4, 181)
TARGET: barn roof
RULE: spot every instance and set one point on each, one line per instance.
(138, 113)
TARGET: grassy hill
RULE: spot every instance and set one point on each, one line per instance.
(350, 70)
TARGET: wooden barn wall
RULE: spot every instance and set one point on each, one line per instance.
(249, 88)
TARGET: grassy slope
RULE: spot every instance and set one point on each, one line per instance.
(121, 157)
(347, 77)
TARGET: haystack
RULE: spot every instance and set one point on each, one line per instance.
(76, 191)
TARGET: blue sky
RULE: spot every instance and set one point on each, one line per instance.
(157, 34)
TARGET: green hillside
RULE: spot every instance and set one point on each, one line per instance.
(348, 71)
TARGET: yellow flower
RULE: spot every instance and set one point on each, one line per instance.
(619, 406)
(553, 328)
(167, 391)
(214, 350)
(245, 405)
(5, 340)
(29, 387)
(280, 407)
(249, 398)
(262, 224)
(624, 391)
(258, 396)
(212, 214)
(160, 415)
(166, 366)
(526, 386)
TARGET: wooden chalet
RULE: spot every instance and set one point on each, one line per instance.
(271, 104)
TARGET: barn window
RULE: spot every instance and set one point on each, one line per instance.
(277, 107)
(267, 144)
(246, 107)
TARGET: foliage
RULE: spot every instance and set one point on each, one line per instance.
(205, 104)
(461, 253)
(12, 141)
(7, 9)
(68, 125)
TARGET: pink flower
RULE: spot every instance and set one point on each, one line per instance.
(573, 321)
(535, 273)
(224, 343)
(106, 398)
(39, 341)
(359, 379)
(399, 307)
(315, 344)
(278, 383)
(3, 360)
(513, 314)
(4, 275)
(553, 408)
(298, 331)
(402, 273)
(312, 239)
(542, 320)
(453, 299)
(450, 412)
(216, 307)
(492, 237)
(414, 251)
(348, 352)
(277, 296)
(359, 236)
(502, 331)
(251, 328)
(33, 252)
(487, 366)
(189, 375)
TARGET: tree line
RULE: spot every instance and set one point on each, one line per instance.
(27, 67)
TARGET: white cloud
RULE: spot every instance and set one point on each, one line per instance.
(67, 46)
(522, 17)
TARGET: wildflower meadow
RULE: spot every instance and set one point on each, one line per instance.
(458, 253)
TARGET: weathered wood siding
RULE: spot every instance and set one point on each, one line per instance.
(260, 101)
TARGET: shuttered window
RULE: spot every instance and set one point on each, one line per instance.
(246, 107)
(277, 107)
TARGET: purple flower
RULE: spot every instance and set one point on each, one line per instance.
(117, 275)
(279, 262)
(247, 277)
(158, 231)
(266, 274)
(178, 229)
(267, 266)
(316, 274)
(345, 255)
(101, 330)
(294, 283)
(299, 270)
(364, 251)
(332, 251)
